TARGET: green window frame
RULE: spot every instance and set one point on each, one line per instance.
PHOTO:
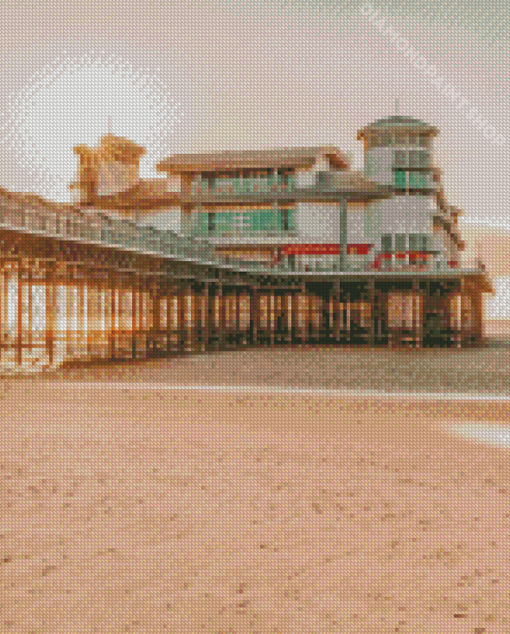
(419, 242)
(400, 242)
(399, 179)
(387, 243)
(400, 158)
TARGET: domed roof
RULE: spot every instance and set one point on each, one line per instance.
(397, 121)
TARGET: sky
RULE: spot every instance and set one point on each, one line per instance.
(188, 76)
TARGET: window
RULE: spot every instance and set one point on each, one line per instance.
(424, 141)
(414, 242)
(418, 158)
(414, 180)
(414, 158)
(386, 243)
(417, 180)
(400, 158)
(400, 179)
(400, 242)
(284, 219)
(419, 242)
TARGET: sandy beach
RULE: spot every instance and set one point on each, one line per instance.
(141, 509)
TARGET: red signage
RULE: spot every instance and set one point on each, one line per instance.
(323, 249)
(359, 249)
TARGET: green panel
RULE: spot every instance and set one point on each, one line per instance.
(414, 180)
(414, 242)
(400, 179)
(400, 242)
(386, 243)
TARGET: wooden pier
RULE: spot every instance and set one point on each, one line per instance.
(70, 297)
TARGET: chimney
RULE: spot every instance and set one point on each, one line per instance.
(111, 168)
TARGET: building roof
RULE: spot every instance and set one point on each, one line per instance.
(148, 193)
(252, 159)
(400, 122)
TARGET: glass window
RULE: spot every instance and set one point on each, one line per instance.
(424, 159)
(386, 243)
(400, 179)
(400, 242)
(414, 242)
(414, 158)
(414, 180)
(425, 242)
(400, 158)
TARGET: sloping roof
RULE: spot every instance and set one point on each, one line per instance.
(146, 194)
(254, 159)
(398, 120)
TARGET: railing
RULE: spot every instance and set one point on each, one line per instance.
(366, 266)
(240, 187)
(250, 233)
(95, 227)
(76, 224)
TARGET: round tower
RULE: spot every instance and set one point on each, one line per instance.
(398, 154)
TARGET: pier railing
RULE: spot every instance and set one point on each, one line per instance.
(100, 228)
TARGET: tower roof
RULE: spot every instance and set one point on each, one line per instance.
(397, 122)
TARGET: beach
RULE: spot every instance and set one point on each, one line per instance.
(126, 506)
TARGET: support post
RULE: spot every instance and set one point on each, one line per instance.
(19, 342)
(254, 315)
(206, 317)
(133, 318)
(371, 301)
(30, 308)
(238, 315)
(181, 318)
(417, 319)
(222, 299)
(477, 308)
(271, 314)
(50, 313)
(113, 293)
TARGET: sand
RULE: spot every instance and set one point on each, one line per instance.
(151, 510)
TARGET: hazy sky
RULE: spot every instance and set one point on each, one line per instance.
(247, 74)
